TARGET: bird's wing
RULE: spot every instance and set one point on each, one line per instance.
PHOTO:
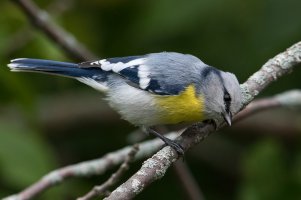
(158, 73)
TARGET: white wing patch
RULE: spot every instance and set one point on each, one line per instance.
(117, 67)
(143, 70)
(143, 74)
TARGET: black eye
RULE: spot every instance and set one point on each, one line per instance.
(227, 97)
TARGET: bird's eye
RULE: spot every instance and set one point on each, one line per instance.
(227, 97)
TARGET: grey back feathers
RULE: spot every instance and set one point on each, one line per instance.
(163, 73)
(171, 73)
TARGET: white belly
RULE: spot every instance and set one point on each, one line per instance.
(134, 105)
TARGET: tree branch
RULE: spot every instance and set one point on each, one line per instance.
(88, 168)
(102, 189)
(275, 68)
(155, 167)
(66, 41)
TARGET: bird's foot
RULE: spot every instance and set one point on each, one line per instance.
(173, 144)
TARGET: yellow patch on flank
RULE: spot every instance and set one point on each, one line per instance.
(185, 107)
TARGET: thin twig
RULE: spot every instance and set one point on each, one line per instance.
(42, 20)
(25, 34)
(188, 182)
(155, 167)
(100, 190)
(291, 98)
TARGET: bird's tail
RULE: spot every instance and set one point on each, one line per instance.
(46, 66)
(94, 77)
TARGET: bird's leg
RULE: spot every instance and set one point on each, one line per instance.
(166, 140)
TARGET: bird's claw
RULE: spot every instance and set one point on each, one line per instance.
(177, 147)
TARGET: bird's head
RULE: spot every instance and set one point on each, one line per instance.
(222, 94)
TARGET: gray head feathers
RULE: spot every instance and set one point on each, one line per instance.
(222, 94)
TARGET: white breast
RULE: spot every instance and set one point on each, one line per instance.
(134, 105)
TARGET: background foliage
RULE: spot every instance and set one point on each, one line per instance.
(47, 122)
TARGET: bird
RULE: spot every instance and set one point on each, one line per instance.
(153, 89)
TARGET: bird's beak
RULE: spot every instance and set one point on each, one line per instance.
(228, 117)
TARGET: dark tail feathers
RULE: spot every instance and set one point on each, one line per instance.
(52, 67)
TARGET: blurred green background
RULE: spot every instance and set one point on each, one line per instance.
(47, 122)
